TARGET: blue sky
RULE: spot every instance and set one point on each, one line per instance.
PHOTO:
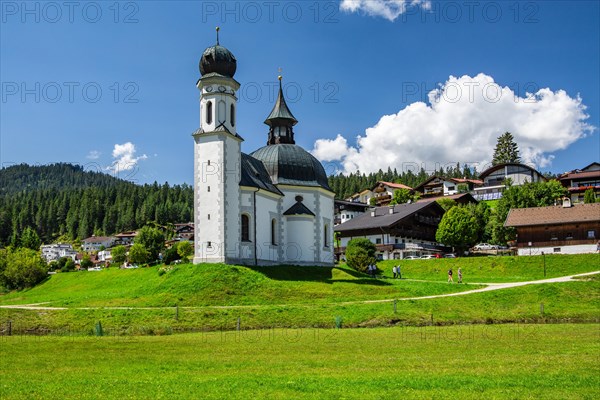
(102, 81)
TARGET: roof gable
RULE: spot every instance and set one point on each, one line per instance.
(553, 215)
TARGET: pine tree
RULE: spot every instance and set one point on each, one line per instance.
(506, 150)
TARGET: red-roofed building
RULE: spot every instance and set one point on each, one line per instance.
(382, 191)
(580, 180)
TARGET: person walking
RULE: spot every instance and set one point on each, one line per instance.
(450, 276)
(459, 275)
(398, 271)
(395, 272)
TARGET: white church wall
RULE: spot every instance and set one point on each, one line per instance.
(300, 244)
(209, 216)
(231, 199)
(267, 209)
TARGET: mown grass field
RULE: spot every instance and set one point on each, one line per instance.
(213, 297)
(459, 362)
(218, 284)
(490, 269)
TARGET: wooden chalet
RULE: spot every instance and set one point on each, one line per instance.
(556, 229)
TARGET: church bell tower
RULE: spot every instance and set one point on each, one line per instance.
(217, 158)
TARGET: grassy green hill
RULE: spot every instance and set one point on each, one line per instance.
(496, 269)
(219, 285)
(213, 297)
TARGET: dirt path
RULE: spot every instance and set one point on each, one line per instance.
(489, 287)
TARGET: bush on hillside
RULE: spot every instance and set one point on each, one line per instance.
(21, 268)
(360, 253)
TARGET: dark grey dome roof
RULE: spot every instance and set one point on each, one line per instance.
(292, 165)
(219, 60)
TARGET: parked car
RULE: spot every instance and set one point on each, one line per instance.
(94, 269)
(428, 257)
(411, 258)
(485, 246)
(450, 255)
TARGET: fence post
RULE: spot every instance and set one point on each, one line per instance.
(395, 308)
(9, 328)
(239, 322)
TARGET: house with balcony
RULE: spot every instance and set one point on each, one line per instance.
(397, 231)
(437, 186)
(344, 211)
(52, 252)
(96, 243)
(566, 229)
(382, 192)
(125, 238)
(580, 180)
(495, 178)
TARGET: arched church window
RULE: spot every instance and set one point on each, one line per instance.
(274, 232)
(232, 112)
(245, 228)
(221, 110)
(209, 112)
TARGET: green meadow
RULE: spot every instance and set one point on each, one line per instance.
(466, 362)
(214, 297)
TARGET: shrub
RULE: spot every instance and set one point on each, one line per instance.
(23, 268)
(360, 253)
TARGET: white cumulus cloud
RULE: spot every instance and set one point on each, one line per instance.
(388, 9)
(461, 123)
(124, 157)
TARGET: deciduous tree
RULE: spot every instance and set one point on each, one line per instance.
(360, 253)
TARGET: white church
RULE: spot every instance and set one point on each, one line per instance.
(270, 207)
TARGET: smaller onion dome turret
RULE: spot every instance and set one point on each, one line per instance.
(218, 59)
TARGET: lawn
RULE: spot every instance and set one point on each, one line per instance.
(576, 301)
(557, 361)
(217, 284)
(490, 269)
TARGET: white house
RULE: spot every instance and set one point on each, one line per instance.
(95, 243)
(494, 179)
(273, 206)
(51, 252)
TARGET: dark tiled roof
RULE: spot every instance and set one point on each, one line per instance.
(254, 174)
(553, 215)
(494, 168)
(459, 198)
(280, 110)
(383, 218)
(298, 209)
(290, 164)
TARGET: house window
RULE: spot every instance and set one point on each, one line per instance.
(569, 236)
(209, 217)
(326, 236)
(591, 234)
(209, 113)
(209, 188)
(245, 228)
(378, 241)
(232, 114)
(553, 236)
(274, 232)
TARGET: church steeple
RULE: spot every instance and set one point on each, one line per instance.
(281, 121)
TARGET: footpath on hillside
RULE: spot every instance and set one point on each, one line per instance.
(488, 287)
